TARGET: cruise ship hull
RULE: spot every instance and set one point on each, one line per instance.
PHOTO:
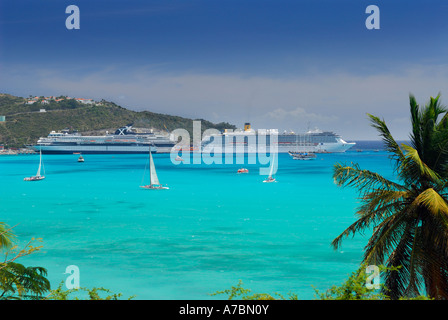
(249, 142)
(94, 149)
(123, 141)
(324, 148)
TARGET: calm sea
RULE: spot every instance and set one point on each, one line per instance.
(212, 228)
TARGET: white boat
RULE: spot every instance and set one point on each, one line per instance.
(125, 140)
(80, 159)
(270, 178)
(179, 159)
(248, 140)
(38, 176)
(154, 183)
(303, 155)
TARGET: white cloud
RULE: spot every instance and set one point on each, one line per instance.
(299, 114)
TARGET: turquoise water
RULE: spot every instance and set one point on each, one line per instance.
(212, 228)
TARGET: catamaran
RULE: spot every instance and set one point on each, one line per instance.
(154, 183)
(38, 176)
(270, 178)
(303, 155)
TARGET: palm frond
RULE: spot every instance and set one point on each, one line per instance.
(374, 213)
(357, 227)
(416, 135)
(363, 180)
(18, 282)
(414, 168)
(390, 144)
(409, 219)
(6, 236)
(429, 135)
(386, 236)
(406, 281)
(379, 199)
(434, 245)
(414, 266)
(434, 202)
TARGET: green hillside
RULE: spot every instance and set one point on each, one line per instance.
(25, 123)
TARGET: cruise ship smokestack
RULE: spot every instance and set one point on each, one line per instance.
(247, 126)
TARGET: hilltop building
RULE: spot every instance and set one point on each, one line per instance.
(46, 100)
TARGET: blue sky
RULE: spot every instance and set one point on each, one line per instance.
(277, 64)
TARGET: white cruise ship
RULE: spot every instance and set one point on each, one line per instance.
(251, 141)
(124, 140)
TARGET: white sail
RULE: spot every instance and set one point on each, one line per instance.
(152, 172)
(154, 183)
(272, 168)
(38, 176)
(40, 165)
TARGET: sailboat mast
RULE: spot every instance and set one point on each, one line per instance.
(40, 163)
(150, 166)
(272, 168)
(154, 180)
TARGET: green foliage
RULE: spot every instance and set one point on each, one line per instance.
(353, 288)
(18, 282)
(6, 236)
(86, 294)
(239, 293)
(25, 124)
(409, 217)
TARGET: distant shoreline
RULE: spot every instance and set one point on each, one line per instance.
(360, 145)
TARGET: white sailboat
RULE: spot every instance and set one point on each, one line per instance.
(154, 183)
(270, 178)
(38, 176)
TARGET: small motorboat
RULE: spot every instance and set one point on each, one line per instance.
(80, 159)
(179, 159)
(243, 170)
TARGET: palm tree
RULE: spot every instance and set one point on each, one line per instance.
(408, 217)
(20, 282)
(6, 237)
(16, 280)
